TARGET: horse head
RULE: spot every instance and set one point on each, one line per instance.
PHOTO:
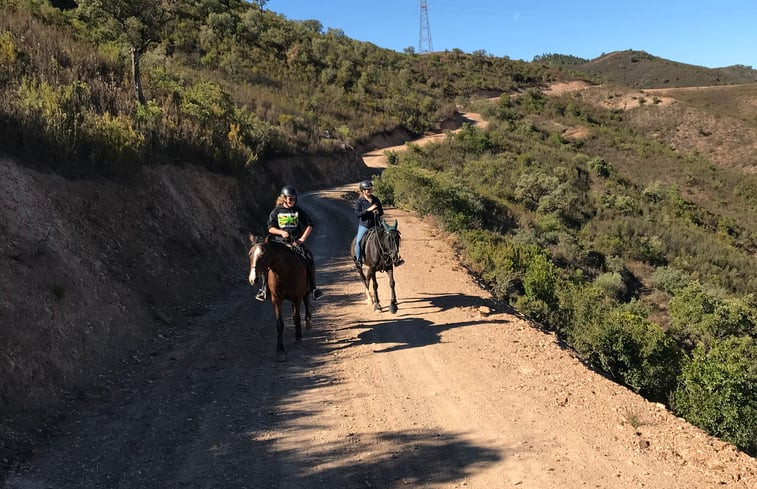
(258, 257)
(392, 242)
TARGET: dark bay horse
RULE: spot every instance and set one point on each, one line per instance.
(380, 253)
(287, 280)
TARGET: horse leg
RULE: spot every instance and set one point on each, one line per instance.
(372, 275)
(367, 284)
(393, 304)
(280, 352)
(297, 325)
(308, 318)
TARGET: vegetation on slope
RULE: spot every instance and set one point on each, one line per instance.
(639, 69)
(649, 274)
(221, 84)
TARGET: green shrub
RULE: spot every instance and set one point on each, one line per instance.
(600, 167)
(535, 309)
(700, 315)
(654, 192)
(59, 108)
(206, 102)
(718, 391)
(634, 351)
(500, 262)
(670, 279)
(384, 190)
(612, 285)
(115, 143)
(540, 280)
(649, 249)
(474, 140)
(391, 157)
(9, 55)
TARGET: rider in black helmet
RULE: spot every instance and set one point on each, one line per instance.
(290, 224)
(368, 210)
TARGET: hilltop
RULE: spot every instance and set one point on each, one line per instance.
(639, 69)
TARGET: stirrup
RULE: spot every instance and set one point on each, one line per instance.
(261, 295)
(359, 263)
(317, 294)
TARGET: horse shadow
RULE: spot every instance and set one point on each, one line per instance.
(446, 302)
(403, 334)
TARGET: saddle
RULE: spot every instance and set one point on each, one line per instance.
(301, 252)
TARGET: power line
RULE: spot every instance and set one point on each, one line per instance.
(424, 36)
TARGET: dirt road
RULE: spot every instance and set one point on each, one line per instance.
(434, 396)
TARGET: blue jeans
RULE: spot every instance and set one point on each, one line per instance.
(361, 230)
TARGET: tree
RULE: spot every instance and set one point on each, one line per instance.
(137, 24)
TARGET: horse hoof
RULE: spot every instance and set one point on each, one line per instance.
(393, 309)
(308, 324)
(281, 356)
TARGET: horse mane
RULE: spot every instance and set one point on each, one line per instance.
(266, 240)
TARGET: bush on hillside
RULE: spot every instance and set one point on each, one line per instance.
(718, 391)
(632, 350)
(698, 314)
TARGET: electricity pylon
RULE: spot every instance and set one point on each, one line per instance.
(424, 37)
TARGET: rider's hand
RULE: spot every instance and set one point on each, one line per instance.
(284, 234)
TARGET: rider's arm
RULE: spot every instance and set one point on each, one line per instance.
(363, 207)
(305, 234)
(307, 224)
(273, 227)
(379, 207)
(276, 231)
(360, 205)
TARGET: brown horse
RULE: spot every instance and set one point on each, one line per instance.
(287, 280)
(380, 251)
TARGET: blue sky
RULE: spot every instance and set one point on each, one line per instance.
(713, 33)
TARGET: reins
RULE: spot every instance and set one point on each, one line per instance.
(273, 243)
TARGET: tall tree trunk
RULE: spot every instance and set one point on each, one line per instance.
(136, 76)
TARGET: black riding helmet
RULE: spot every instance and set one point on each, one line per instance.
(366, 184)
(289, 191)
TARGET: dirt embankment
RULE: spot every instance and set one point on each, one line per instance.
(91, 269)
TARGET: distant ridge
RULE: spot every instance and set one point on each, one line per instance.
(639, 69)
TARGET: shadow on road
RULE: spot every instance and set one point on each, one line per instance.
(417, 459)
(444, 302)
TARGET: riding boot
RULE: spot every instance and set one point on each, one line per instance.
(262, 293)
(316, 292)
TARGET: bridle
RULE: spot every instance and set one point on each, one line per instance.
(388, 245)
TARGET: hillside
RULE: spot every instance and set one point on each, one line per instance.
(638, 69)
(618, 219)
(717, 122)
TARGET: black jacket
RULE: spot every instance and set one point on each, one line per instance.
(366, 218)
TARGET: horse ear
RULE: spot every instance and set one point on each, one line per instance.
(252, 238)
(387, 227)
